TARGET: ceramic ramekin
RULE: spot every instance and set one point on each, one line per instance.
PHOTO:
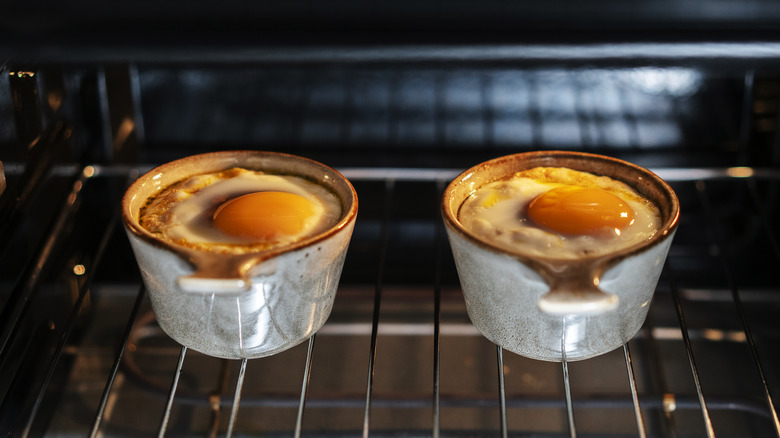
(249, 305)
(550, 309)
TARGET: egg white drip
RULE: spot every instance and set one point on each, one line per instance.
(191, 217)
(505, 224)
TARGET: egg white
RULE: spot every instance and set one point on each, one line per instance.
(497, 212)
(183, 213)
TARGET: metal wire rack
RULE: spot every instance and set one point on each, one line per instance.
(81, 354)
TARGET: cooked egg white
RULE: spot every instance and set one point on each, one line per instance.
(185, 212)
(572, 214)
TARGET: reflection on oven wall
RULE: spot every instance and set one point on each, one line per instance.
(81, 353)
(651, 113)
(494, 110)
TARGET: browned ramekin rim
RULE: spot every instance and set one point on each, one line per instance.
(198, 257)
(645, 182)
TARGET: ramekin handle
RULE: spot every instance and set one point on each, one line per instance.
(223, 274)
(576, 299)
(197, 284)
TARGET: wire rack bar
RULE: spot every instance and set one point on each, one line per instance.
(215, 398)
(701, 189)
(501, 391)
(640, 422)
(775, 243)
(172, 393)
(73, 317)
(31, 278)
(117, 361)
(665, 421)
(669, 174)
(32, 177)
(683, 401)
(689, 351)
(305, 386)
(78, 51)
(439, 247)
(132, 175)
(385, 238)
(237, 398)
(567, 384)
(436, 365)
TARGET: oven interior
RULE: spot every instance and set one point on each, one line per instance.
(81, 354)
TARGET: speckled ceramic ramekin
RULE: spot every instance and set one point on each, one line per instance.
(249, 305)
(550, 309)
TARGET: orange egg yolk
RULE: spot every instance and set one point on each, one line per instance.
(263, 215)
(577, 210)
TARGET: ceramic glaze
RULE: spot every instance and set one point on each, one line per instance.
(249, 305)
(550, 309)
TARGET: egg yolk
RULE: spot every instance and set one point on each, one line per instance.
(580, 211)
(263, 215)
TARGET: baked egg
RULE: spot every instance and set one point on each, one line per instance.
(559, 213)
(240, 210)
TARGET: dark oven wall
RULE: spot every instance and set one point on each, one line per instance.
(441, 115)
(400, 99)
(449, 116)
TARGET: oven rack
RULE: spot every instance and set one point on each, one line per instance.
(714, 314)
